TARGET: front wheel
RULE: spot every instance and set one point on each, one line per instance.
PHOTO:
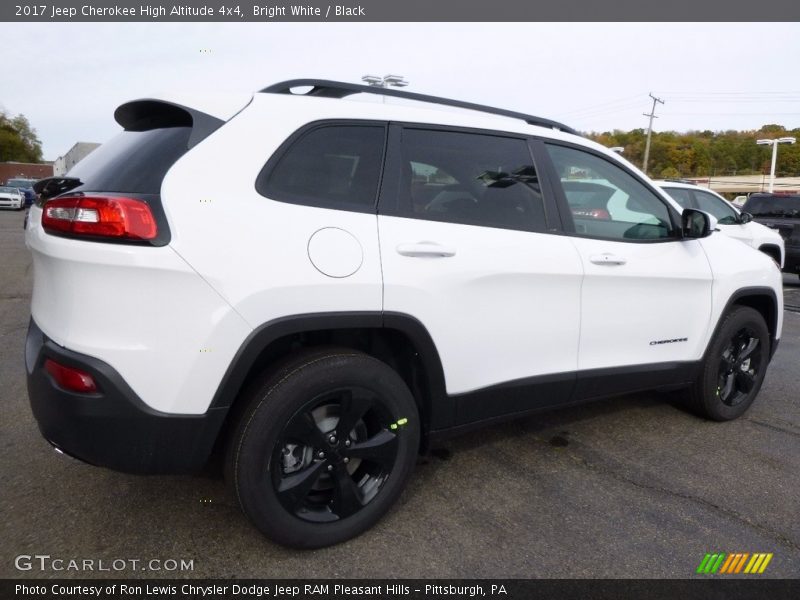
(734, 367)
(324, 448)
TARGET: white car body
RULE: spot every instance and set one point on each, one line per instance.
(751, 233)
(11, 198)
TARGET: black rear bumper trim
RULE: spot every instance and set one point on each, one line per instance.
(113, 428)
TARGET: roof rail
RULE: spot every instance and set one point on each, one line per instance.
(338, 89)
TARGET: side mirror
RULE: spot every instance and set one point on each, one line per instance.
(696, 223)
(745, 217)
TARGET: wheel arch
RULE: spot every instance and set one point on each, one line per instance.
(398, 339)
(761, 299)
(773, 251)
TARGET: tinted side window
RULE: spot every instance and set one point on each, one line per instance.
(468, 178)
(606, 201)
(713, 205)
(335, 166)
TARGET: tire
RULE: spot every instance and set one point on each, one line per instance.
(734, 366)
(302, 477)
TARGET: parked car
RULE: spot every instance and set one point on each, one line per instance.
(402, 273)
(26, 187)
(730, 221)
(739, 201)
(781, 212)
(11, 197)
(599, 199)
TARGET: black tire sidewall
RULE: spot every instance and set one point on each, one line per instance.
(275, 402)
(739, 318)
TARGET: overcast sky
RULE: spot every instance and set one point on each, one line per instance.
(68, 78)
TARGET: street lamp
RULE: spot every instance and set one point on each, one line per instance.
(774, 143)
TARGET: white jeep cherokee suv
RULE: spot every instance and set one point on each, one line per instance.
(319, 287)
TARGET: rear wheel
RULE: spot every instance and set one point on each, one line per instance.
(324, 448)
(734, 367)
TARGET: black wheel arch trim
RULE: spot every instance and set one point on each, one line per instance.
(771, 320)
(769, 249)
(438, 404)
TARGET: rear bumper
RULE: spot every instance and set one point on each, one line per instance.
(113, 428)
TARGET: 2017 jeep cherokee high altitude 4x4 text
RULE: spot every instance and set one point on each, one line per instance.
(369, 277)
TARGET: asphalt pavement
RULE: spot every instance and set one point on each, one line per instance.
(630, 487)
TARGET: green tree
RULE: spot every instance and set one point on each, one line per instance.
(18, 140)
(707, 153)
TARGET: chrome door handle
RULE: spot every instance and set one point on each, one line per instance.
(425, 250)
(607, 259)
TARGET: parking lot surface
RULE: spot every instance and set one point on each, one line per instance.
(630, 487)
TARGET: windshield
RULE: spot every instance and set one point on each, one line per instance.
(7, 190)
(773, 206)
(20, 183)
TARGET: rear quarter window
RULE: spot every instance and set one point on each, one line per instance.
(329, 166)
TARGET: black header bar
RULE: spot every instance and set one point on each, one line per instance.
(368, 11)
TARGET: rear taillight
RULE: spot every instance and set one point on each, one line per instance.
(70, 379)
(114, 217)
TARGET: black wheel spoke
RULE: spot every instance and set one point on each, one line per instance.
(296, 486)
(727, 388)
(748, 349)
(381, 448)
(745, 381)
(727, 361)
(303, 429)
(346, 496)
(353, 407)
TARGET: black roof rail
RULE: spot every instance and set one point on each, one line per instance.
(338, 89)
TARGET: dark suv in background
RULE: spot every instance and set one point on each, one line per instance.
(782, 213)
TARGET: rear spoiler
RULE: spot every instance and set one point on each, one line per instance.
(142, 115)
(53, 186)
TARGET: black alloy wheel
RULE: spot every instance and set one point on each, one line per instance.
(739, 367)
(733, 370)
(323, 448)
(334, 455)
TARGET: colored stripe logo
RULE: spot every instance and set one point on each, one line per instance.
(734, 563)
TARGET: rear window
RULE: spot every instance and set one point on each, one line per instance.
(20, 183)
(681, 195)
(773, 206)
(133, 161)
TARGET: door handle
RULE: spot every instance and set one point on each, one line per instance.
(607, 259)
(425, 250)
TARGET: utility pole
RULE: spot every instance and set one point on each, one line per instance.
(652, 115)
